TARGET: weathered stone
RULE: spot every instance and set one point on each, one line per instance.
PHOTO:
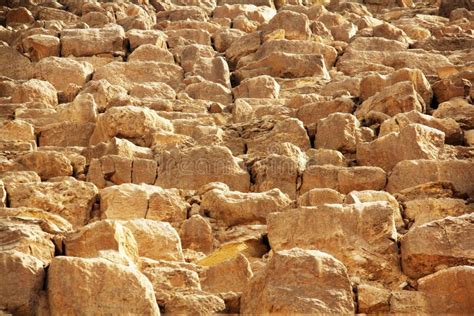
(451, 129)
(276, 171)
(415, 141)
(68, 198)
(316, 197)
(88, 42)
(155, 240)
(21, 282)
(35, 90)
(13, 64)
(93, 239)
(296, 25)
(196, 234)
(40, 46)
(207, 90)
(312, 113)
(449, 290)
(429, 247)
(325, 157)
(90, 285)
(151, 52)
(343, 179)
(459, 172)
(339, 131)
(47, 164)
(133, 201)
(397, 98)
(129, 122)
(285, 65)
(446, 7)
(127, 74)
(318, 283)
(257, 87)
(374, 83)
(231, 275)
(235, 208)
(458, 110)
(137, 38)
(52, 69)
(346, 232)
(194, 167)
(424, 210)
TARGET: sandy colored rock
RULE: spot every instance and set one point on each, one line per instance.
(312, 113)
(91, 286)
(13, 64)
(52, 69)
(415, 141)
(257, 87)
(372, 84)
(26, 237)
(276, 65)
(424, 210)
(195, 167)
(451, 129)
(309, 228)
(121, 74)
(397, 98)
(47, 164)
(449, 290)
(35, 90)
(234, 207)
(40, 46)
(296, 25)
(428, 247)
(130, 122)
(155, 240)
(343, 179)
(338, 131)
(196, 234)
(319, 284)
(21, 282)
(458, 172)
(88, 42)
(231, 275)
(316, 197)
(68, 198)
(147, 52)
(458, 110)
(92, 239)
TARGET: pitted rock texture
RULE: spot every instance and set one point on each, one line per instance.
(223, 156)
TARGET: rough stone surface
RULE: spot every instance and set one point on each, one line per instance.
(317, 284)
(168, 156)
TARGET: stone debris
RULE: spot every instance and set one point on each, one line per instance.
(243, 157)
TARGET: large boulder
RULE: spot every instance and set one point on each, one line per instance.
(98, 286)
(397, 98)
(134, 201)
(68, 198)
(96, 239)
(130, 122)
(414, 141)
(20, 283)
(52, 69)
(343, 179)
(125, 74)
(194, 167)
(93, 41)
(459, 172)
(299, 281)
(443, 243)
(362, 236)
(235, 208)
(155, 240)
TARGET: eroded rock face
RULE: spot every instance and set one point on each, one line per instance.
(200, 156)
(92, 286)
(318, 284)
(428, 247)
(337, 230)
